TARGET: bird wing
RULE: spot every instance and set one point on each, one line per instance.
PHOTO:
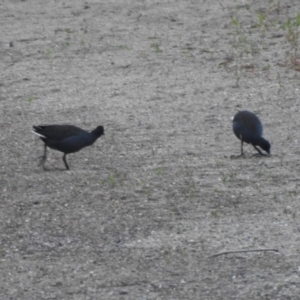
(57, 132)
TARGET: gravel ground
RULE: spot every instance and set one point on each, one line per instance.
(142, 211)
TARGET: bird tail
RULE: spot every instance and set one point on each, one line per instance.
(36, 130)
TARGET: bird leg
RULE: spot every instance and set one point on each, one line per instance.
(242, 151)
(44, 157)
(65, 161)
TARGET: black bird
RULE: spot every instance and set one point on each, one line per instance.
(66, 138)
(248, 128)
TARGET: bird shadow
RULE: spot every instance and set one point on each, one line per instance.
(42, 166)
(54, 169)
(244, 156)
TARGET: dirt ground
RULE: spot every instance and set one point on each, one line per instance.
(142, 211)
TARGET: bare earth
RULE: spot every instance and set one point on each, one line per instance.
(142, 211)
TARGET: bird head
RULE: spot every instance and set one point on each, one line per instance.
(99, 131)
(265, 145)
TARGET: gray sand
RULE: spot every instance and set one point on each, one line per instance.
(141, 211)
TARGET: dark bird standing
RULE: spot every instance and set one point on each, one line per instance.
(248, 128)
(66, 138)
